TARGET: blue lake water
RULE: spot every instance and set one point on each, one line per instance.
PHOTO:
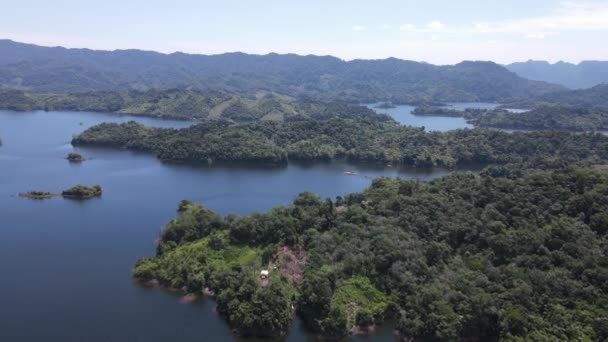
(65, 265)
(403, 115)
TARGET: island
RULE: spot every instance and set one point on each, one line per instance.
(38, 194)
(436, 111)
(461, 257)
(82, 192)
(75, 157)
(359, 140)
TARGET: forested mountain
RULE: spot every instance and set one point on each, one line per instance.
(461, 258)
(45, 69)
(186, 104)
(583, 75)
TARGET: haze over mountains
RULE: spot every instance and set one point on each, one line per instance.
(576, 76)
(59, 70)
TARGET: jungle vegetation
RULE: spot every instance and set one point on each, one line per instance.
(463, 257)
(355, 140)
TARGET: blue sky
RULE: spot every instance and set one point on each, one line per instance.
(441, 32)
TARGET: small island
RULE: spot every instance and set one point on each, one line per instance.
(437, 111)
(37, 194)
(82, 192)
(75, 157)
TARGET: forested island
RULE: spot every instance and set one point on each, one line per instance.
(428, 110)
(354, 140)
(186, 104)
(461, 257)
(82, 192)
(74, 157)
(35, 194)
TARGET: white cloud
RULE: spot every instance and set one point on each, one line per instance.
(569, 16)
(358, 28)
(407, 27)
(431, 27)
(435, 26)
(535, 35)
(384, 27)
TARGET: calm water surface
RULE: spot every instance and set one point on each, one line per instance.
(403, 115)
(65, 265)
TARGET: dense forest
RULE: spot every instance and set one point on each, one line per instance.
(185, 104)
(461, 257)
(356, 140)
(542, 118)
(59, 70)
(429, 110)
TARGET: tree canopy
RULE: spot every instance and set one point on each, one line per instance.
(461, 257)
(357, 140)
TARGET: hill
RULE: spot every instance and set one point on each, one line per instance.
(595, 97)
(583, 75)
(462, 258)
(56, 69)
(186, 104)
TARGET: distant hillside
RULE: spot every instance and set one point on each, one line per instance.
(187, 104)
(45, 69)
(595, 97)
(583, 75)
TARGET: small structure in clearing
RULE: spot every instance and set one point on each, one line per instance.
(264, 274)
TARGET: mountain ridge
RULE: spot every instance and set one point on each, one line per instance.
(45, 69)
(585, 74)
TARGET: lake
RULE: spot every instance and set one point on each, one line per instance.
(403, 115)
(66, 265)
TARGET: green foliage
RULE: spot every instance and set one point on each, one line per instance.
(82, 192)
(356, 140)
(462, 257)
(356, 295)
(542, 118)
(426, 110)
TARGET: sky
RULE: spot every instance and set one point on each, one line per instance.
(439, 32)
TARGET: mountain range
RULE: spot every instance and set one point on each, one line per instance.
(575, 76)
(60, 70)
